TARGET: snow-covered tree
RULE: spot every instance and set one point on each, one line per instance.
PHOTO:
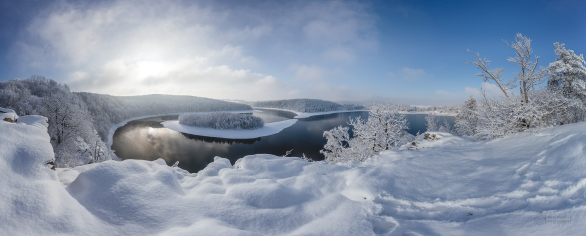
(222, 120)
(432, 122)
(529, 76)
(527, 79)
(533, 107)
(567, 74)
(467, 119)
(383, 130)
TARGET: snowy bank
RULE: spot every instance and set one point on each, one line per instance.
(301, 115)
(266, 130)
(114, 127)
(525, 184)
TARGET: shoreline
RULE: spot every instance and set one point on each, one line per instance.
(301, 115)
(266, 130)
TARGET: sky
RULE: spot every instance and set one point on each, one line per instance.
(407, 52)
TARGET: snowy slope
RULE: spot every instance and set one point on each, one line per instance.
(451, 186)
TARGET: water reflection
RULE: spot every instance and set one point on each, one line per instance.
(323, 117)
(220, 140)
(147, 139)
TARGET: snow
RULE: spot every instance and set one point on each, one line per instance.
(114, 127)
(266, 130)
(301, 115)
(523, 184)
(7, 113)
(34, 120)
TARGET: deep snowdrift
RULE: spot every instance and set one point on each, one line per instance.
(525, 184)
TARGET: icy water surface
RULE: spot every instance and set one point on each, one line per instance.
(147, 139)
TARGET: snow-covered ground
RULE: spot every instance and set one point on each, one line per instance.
(525, 184)
(266, 130)
(114, 127)
(301, 115)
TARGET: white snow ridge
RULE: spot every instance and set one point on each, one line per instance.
(524, 184)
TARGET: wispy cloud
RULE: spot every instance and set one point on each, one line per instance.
(491, 90)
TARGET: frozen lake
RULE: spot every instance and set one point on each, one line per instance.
(147, 139)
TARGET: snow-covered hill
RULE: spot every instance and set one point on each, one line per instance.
(525, 184)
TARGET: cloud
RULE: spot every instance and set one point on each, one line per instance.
(340, 28)
(442, 92)
(119, 78)
(311, 73)
(472, 91)
(179, 47)
(491, 90)
(407, 73)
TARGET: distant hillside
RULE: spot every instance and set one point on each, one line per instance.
(307, 105)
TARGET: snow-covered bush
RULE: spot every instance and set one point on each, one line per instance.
(222, 120)
(307, 105)
(501, 117)
(384, 130)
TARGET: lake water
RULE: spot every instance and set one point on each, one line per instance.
(147, 139)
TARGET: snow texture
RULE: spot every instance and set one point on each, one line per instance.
(523, 184)
(266, 130)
